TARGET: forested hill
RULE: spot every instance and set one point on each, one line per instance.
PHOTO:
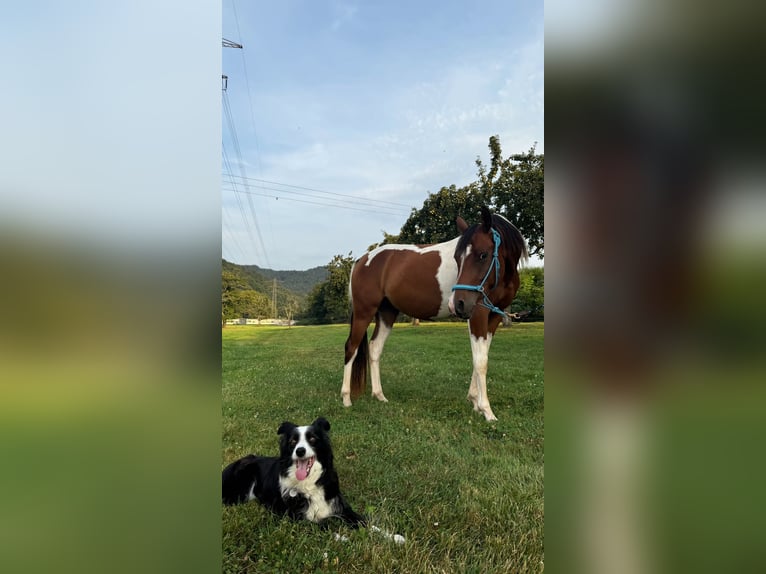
(298, 282)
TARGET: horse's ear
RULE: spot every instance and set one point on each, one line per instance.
(486, 219)
(461, 224)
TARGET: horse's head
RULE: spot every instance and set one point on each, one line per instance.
(487, 255)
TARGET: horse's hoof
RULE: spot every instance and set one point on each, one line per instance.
(346, 402)
(490, 417)
(380, 397)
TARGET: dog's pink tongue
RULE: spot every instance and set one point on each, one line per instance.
(301, 469)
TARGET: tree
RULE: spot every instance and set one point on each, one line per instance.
(512, 187)
(531, 293)
(435, 221)
(231, 283)
(515, 188)
(387, 239)
(249, 303)
(328, 301)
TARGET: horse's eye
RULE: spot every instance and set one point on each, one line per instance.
(482, 256)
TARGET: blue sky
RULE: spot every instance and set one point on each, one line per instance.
(383, 102)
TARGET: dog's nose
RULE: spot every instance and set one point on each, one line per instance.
(300, 451)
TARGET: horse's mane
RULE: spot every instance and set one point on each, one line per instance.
(510, 237)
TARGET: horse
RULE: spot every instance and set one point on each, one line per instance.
(474, 276)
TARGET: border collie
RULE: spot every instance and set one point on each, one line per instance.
(301, 482)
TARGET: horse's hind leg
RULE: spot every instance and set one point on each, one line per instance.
(384, 322)
(358, 332)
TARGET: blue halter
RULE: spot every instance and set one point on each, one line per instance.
(480, 287)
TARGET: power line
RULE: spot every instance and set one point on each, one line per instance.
(227, 165)
(355, 197)
(232, 130)
(361, 203)
(227, 228)
(378, 211)
(324, 200)
(247, 85)
(238, 151)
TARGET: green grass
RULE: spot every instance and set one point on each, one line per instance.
(466, 494)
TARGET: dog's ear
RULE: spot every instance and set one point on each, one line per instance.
(322, 423)
(285, 427)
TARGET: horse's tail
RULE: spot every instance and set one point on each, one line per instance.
(359, 368)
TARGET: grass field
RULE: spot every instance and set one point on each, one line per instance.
(466, 494)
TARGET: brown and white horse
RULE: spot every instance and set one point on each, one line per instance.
(473, 276)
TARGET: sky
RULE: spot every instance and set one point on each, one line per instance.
(111, 123)
(338, 118)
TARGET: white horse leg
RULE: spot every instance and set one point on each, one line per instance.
(473, 385)
(345, 390)
(480, 352)
(473, 391)
(376, 350)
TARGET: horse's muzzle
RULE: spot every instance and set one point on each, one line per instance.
(463, 308)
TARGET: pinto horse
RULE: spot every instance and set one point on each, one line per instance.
(473, 276)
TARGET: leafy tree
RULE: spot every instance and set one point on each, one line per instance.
(531, 293)
(387, 239)
(435, 221)
(231, 283)
(328, 301)
(514, 187)
(249, 303)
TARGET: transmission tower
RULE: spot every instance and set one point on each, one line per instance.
(230, 44)
(227, 44)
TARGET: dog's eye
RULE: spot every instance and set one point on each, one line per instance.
(312, 440)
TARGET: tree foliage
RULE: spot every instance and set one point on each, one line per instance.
(296, 283)
(531, 293)
(515, 187)
(328, 301)
(231, 282)
(249, 303)
(435, 221)
(512, 187)
(246, 293)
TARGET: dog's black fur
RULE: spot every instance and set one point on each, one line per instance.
(276, 481)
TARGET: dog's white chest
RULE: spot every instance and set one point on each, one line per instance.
(319, 508)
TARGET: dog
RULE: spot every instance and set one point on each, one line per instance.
(301, 482)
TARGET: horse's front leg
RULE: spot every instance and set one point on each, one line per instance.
(477, 390)
(480, 350)
(473, 390)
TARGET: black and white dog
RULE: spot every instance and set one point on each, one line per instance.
(301, 482)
